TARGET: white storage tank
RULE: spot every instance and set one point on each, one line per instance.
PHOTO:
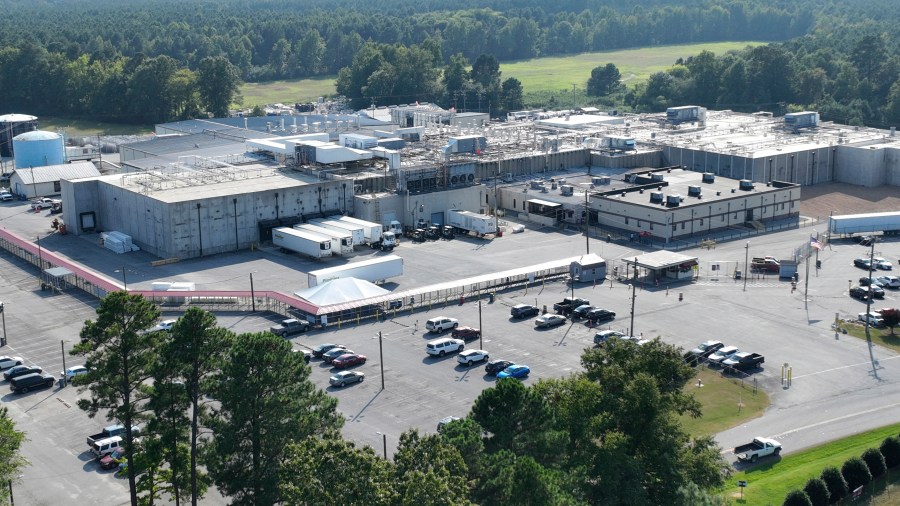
(12, 125)
(38, 149)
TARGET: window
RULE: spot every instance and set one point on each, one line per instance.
(676, 226)
(486, 197)
(701, 222)
(56, 187)
(626, 220)
(514, 203)
(651, 226)
(723, 217)
(638, 223)
(682, 225)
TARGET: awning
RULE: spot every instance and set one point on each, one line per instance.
(543, 203)
(661, 260)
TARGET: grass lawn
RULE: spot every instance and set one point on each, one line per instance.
(76, 127)
(726, 402)
(287, 92)
(881, 337)
(554, 74)
(771, 480)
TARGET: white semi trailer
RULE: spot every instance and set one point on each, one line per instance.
(303, 242)
(375, 270)
(889, 223)
(471, 222)
(356, 231)
(376, 236)
(342, 241)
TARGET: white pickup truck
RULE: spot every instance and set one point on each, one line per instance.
(760, 447)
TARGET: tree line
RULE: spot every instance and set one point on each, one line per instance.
(240, 412)
(273, 40)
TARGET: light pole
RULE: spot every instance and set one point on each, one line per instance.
(381, 361)
(124, 278)
(383, 443)
(62, 346)
(633, 296)
(870, 292)
(746, 263)
(480, 328)
(587, 223)
(3, 315)
(252, 294)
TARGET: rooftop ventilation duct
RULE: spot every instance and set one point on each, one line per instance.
(673, 200)
(746, 185)
(656, 197)
(693, 191)
(656, 177)
(709, 177)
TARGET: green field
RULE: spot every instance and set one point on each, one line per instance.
(769, 482)
(556, 73)
(726, 402)
(84, 127)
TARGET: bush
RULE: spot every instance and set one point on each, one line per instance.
(890, 448)
(837, 486)
(875, 461)
(856, 472)
(797, 498)
(817, 492)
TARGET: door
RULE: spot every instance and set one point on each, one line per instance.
(749, 215)
(437, 219)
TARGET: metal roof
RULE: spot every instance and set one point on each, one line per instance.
(660, 259)
(37, 135)
(16, 118)
(50, 173)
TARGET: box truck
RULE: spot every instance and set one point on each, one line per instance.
(467, 221)
(303, 242)
(342, 241)
(356, 231)
(374, 235)
(375, 270)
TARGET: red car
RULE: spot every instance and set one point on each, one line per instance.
(348, 360)
(111, 460)
(466, 333)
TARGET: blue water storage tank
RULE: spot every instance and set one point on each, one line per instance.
(38, 149)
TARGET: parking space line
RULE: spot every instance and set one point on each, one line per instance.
(845, 367)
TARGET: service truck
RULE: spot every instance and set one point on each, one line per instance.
(111, 431)
(356, 231)
(302, 241)
(765, 264)
(341, 240)
(759, 447)
(375, 270)
(467, 221)
(889, 223)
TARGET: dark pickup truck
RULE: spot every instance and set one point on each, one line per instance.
(568, 304)
(288, 327)
(743, 361)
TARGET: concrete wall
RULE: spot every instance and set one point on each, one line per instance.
(807, 167)
(652, 159)
(892, 165)
(861, 165)
(407, 209)
(534, 163)
(31, 191)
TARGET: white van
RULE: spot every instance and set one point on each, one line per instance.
(441, 347)
(106, 446)
(441, 323)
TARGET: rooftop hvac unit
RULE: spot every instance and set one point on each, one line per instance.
(567, 190)
(656, 197)
(693, 191)
(536, 184)
(656, 177)
(673, 200)
(746, 185)
(601, 180)
(709, 177)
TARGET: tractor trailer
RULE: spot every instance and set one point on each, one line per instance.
(889, 223)
(471, 222)
(341, 241)
(375, 270)
(356, 231)
(302, 241)
(374, 234)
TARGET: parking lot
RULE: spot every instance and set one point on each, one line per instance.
(834, 377)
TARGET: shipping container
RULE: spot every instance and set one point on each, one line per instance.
(375, 270)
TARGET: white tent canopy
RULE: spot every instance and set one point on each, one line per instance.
(340, 290)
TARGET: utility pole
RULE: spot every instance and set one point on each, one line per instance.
(3, 315)
(480, 328)
(870, 292)
(633, 295)
(587, 225)
(381, 361)
(574, 101)
(252, 294)
(746, 263)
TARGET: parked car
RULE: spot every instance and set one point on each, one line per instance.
(514, 371)
(23, 384)
(112, 460)
(860, 292)
(444, 421)
(723, 354)
(443, 346)
(466, 333)
(862, 263)
(549, 320)
(881, 263)
(876, 291)
(307, 355)
(495, 366)
(604, 335)
(706, 348)
(6, 196)
(440, 324)
(348, 360)
(600, 315)
(75, 370)
(334, 353)
(43, 203)
(289, 327)
(866, 281)
(20, 370)
(323, 348)
(568, 304)
(582, 311)
(524, 311)
(743, 361)
(165, 326)
(874, 318)
(7, 362)
(865, 240)
(760, 447)
(469, 357)
(345, 378)
(889, 281)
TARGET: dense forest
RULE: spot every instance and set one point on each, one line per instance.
(152, 61)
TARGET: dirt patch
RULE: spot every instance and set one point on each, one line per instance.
(822, 200)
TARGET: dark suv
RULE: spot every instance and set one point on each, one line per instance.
(582, 311)
(33, 381)
(495, 366)
(20, 370)
(524, 311)
(859, 292)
